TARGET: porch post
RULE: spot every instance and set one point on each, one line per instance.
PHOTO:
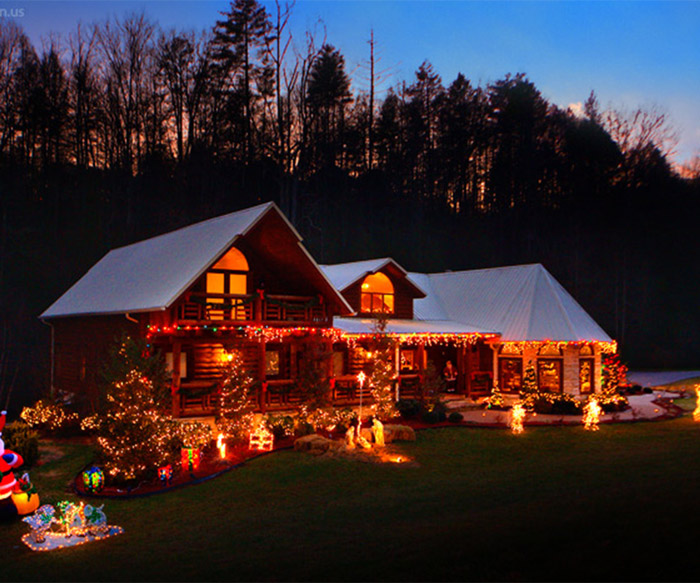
(262, 377)
(175, 386)
(397, 369)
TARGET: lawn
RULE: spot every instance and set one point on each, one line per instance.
(556, 503)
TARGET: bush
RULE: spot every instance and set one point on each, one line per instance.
(556, 404)
(51, 416)
(455, 417)
(280, 425)
(21, 439)
(410, 408)
(437, 414)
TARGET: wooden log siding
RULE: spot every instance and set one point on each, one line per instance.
(81, 346)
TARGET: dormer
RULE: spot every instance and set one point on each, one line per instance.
(375, 286)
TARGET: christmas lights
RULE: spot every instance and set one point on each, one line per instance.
(93, 479)
(591, 415)
(517, 417)
(696, 413)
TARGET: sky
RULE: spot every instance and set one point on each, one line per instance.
(633, 54)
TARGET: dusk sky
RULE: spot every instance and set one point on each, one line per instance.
(632, 54)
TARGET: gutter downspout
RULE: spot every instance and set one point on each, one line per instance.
(53, 354)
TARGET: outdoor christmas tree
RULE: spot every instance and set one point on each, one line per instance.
(382, 373)
(235, 414)
(135, 435)
(528, 391)
(614, 373)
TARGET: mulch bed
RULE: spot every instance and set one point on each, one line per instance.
(210, 466)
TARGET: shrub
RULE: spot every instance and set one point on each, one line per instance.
(280, 425)
(20, 438)
(436, 414)
(410, 408)
(455, 417)
(51, 416)
(556, 404)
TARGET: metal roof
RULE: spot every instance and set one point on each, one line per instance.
(367, 326)
(522, 302)
(150, 275)
(343, 275)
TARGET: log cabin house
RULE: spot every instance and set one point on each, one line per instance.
(245, 282)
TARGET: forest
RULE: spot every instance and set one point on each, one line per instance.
(122, 130)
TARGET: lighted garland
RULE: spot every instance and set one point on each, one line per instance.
(513, 347)
(47, 415)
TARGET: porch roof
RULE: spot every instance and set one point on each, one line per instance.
(396, 326)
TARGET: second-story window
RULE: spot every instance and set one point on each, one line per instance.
(377, 295)
(227, 282)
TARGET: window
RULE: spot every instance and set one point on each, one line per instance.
(272, 363)
(228, 277)
(377, 294)
(549, 375)
(510, 374)
(409, 361)
(585, 376)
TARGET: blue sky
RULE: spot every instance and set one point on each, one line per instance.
(637, 53)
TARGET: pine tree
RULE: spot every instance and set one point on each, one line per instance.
(235, 410)
(135, 435)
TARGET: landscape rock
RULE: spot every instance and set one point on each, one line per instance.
(316, 444)
(398, 433)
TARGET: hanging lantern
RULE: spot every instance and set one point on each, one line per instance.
(93, 479)
(189, 459)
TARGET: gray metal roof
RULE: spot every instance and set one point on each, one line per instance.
(366, 326)
(343, 275)
(522, 302)
(152, 274)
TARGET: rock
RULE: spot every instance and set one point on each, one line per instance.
(398, 433)
(315, 444)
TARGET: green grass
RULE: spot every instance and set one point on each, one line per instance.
(556, 503)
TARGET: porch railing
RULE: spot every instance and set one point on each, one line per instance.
(201, 307)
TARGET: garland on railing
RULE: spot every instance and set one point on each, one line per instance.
(312, 303)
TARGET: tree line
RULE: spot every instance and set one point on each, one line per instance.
(123, 130)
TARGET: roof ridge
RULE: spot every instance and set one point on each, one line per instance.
(548, 278)
(211, 219)
(450, 272)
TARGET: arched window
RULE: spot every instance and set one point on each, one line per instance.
(377, 294)
(228, 277)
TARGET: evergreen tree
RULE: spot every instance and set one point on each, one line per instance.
(234, 416)
(135, 434)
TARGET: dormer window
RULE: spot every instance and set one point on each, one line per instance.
(377, 295)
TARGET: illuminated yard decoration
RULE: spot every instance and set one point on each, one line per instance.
(78, 524)
(591, 415)
(261, 439)
(696, 413)
(221, 446)
(165, 474)
(517, 416)
(189, 459)
(93, 479)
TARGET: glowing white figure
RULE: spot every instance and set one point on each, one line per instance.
(221, 446)
(591, 415)
(378, 432)
(517, 416)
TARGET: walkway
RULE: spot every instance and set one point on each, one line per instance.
(642, 408)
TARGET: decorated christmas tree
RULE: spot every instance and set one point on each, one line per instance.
(529, 390)
(135, 435)
(382, 373)
(614, 373)
(235, 415)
